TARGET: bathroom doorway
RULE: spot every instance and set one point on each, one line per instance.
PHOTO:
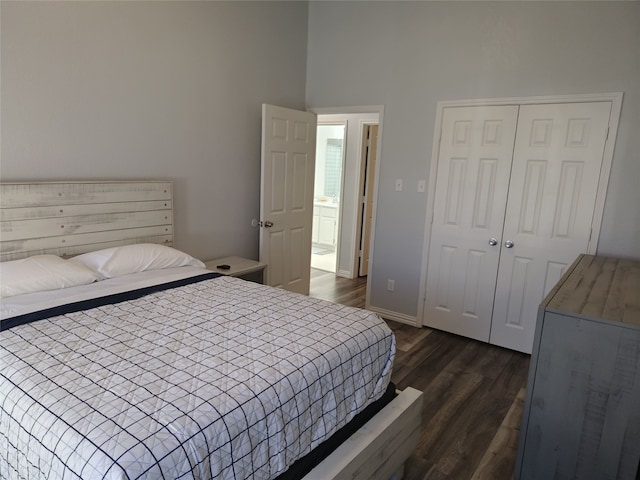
(345, 215)
(330, 156)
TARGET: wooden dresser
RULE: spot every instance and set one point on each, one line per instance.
(581, 416)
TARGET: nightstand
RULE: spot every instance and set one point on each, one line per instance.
(240, 267)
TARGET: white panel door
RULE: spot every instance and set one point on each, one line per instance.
(554, 180)
(474, 163)
(286, 202)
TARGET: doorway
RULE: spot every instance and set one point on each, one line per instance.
(330, 139)
(349, 201)
(343, 215)
(288, 252)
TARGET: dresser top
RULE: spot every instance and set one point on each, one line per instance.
(601, 288)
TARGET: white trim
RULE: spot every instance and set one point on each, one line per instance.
(346, 110)
(395, 316)
(616, 106)
(542, 99)
(605, 171)
(343, 273)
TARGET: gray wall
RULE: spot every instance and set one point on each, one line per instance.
(139, 90)
(408, 56)
(172, 90)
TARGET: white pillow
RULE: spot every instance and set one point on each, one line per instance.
(40, 273)
(117, 261)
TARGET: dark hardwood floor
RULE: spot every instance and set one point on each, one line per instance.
(473, 394)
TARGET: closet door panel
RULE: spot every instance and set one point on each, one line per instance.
(473, 171)
(554, 180)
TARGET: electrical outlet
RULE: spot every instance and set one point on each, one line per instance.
(398, 185)
(391, 285)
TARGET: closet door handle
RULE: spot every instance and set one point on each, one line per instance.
(508, 244)
(493, 242)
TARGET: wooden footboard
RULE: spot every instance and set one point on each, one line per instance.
(378, 449)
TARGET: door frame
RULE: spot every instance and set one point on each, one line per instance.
(374, 109)
(616, 106)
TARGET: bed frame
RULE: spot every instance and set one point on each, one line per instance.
(70, 218)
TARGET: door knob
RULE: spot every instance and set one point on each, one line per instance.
(493, 242)
(268, 224)
(508, 244)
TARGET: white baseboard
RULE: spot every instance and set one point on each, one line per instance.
(395, 316)
(345, 274)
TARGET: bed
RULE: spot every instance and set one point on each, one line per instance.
(157, 368)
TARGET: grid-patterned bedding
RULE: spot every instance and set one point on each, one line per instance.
(219, 378)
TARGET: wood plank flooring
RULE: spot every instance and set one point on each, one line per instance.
(473, 394)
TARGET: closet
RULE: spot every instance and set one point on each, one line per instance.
(516, 192)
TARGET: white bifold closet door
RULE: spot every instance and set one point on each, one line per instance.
(474, 166)
(514, 203)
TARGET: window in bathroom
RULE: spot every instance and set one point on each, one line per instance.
(333, 168)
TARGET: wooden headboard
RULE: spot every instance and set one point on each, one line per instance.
(70, 218)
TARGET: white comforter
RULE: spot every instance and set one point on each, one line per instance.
(216, 379)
